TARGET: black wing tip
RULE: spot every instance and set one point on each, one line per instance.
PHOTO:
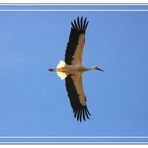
(82, 114)
(79, 24)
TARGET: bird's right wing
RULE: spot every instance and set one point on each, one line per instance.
(76, 42)
(77, 97)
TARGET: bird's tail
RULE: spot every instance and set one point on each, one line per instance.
(61, 64)
(62, 75)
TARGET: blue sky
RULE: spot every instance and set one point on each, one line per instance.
(34, 102)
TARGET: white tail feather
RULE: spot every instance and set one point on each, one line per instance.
(61, 64)
(62, 75)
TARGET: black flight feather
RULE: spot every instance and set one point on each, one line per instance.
(80, 111)
(77, 28)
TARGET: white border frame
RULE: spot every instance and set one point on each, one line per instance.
(74, 137)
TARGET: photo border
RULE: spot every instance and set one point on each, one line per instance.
(90, 10)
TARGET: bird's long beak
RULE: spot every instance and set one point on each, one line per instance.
(99, 69)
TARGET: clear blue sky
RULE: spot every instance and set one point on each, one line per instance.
(34, 102)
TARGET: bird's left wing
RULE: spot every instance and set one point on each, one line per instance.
(76, 41)
(74, 86)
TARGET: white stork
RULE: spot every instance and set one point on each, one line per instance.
(71, 70)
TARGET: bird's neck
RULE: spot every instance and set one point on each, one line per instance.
(90, 68)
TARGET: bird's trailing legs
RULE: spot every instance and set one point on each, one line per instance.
(51, 70)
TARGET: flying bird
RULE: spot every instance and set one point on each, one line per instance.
(72, 69)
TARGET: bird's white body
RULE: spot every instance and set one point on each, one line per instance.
(70, 68)
(63, 69)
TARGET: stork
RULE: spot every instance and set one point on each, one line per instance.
(72, 69)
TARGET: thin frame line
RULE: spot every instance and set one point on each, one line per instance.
(65, 10)
(73, 142)
(74, 4)
(74, 137)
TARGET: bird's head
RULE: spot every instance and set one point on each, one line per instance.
(97, 68)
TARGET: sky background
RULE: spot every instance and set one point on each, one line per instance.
(34, 102)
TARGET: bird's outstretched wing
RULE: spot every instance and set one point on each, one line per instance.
(76, 41)
(74, 86)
